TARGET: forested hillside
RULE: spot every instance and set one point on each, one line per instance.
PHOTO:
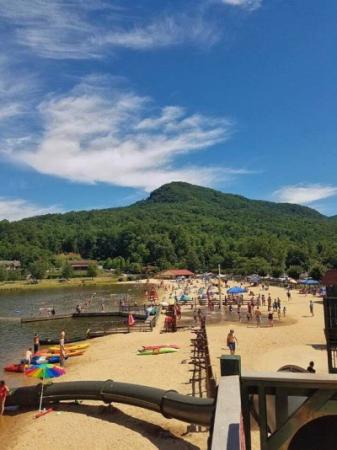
(182, 225)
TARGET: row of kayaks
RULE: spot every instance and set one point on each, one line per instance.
(49, 356)
(52, 354)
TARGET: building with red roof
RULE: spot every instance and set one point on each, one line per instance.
(175, 273)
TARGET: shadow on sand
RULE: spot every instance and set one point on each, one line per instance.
(158, 436)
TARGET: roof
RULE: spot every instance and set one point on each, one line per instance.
(330, 278)
(14, 262)
(82, 262)
(177, 273)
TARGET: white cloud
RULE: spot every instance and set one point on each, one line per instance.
(16, 209)
(61, 29)
(304, 194)
(165, 32)
(251, 5)
(16, 90)
(96, 134)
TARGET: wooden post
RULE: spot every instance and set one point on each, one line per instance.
(281, 407)
(263, 418)
(226, 430)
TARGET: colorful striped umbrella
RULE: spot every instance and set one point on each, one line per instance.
(44, 371)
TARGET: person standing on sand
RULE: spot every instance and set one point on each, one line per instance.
(258, 317)
(231, 342)
(270, 319)
(36, 341)
(288, 294)
(3, 394)
(311, 307)
(62, 348)
(284, 311)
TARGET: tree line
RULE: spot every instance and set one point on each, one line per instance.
(181, 226)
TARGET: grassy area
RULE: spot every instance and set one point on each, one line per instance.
(51, 284)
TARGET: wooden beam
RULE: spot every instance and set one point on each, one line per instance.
(281, 407)
(263, 418)
(307, 411)
(226, 429)
(245, 407)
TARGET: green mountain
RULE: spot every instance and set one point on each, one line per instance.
(181, 225)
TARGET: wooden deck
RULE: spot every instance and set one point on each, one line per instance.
(281, 402)
(44, 318)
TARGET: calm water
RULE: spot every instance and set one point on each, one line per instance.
(16, 338)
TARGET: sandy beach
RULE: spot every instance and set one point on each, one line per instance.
(91, 424)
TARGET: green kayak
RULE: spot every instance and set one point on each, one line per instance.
(156, 351)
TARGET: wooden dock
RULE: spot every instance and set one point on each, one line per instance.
(44, 318)
(137, 314)
(147, 325)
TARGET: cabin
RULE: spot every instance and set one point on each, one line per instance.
(173, 274)
(10, 265)
(82, 264)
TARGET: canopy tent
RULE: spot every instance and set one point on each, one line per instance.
(185, 298)
(236, 290)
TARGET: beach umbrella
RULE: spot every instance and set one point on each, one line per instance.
(236, 290)
(44, 371)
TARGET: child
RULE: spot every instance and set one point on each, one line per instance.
(3, 394)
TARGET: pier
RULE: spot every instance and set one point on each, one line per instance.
(138, 312)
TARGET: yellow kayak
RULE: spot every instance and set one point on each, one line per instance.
(69, 348)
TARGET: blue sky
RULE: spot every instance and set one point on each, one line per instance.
(103, 101)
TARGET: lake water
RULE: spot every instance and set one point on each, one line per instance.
(16, 338)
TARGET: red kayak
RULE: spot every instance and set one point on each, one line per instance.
(18, 368)
(156, 347)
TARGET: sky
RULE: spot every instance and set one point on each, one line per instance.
(103, 101)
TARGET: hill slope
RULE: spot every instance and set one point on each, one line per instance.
(181, 224)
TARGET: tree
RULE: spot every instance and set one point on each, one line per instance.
(3, 273)
(295, 272)
(108, 264)
(276, 272)
(317, 271)
(92, 270)
(67, 271)
(38, 270)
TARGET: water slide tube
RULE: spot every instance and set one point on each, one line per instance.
(170, 403)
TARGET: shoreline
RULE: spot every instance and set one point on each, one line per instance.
(83, 282)
(114, 357)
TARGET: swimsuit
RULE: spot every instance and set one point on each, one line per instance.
(3, 392)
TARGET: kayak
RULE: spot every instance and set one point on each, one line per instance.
(156, 351)
(154, 347)
(52, 359)
(18, 368)
(39, 360)
(71, 353)
(68, 348)
(50, 341)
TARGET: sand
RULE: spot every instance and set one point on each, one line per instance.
(90, 424)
